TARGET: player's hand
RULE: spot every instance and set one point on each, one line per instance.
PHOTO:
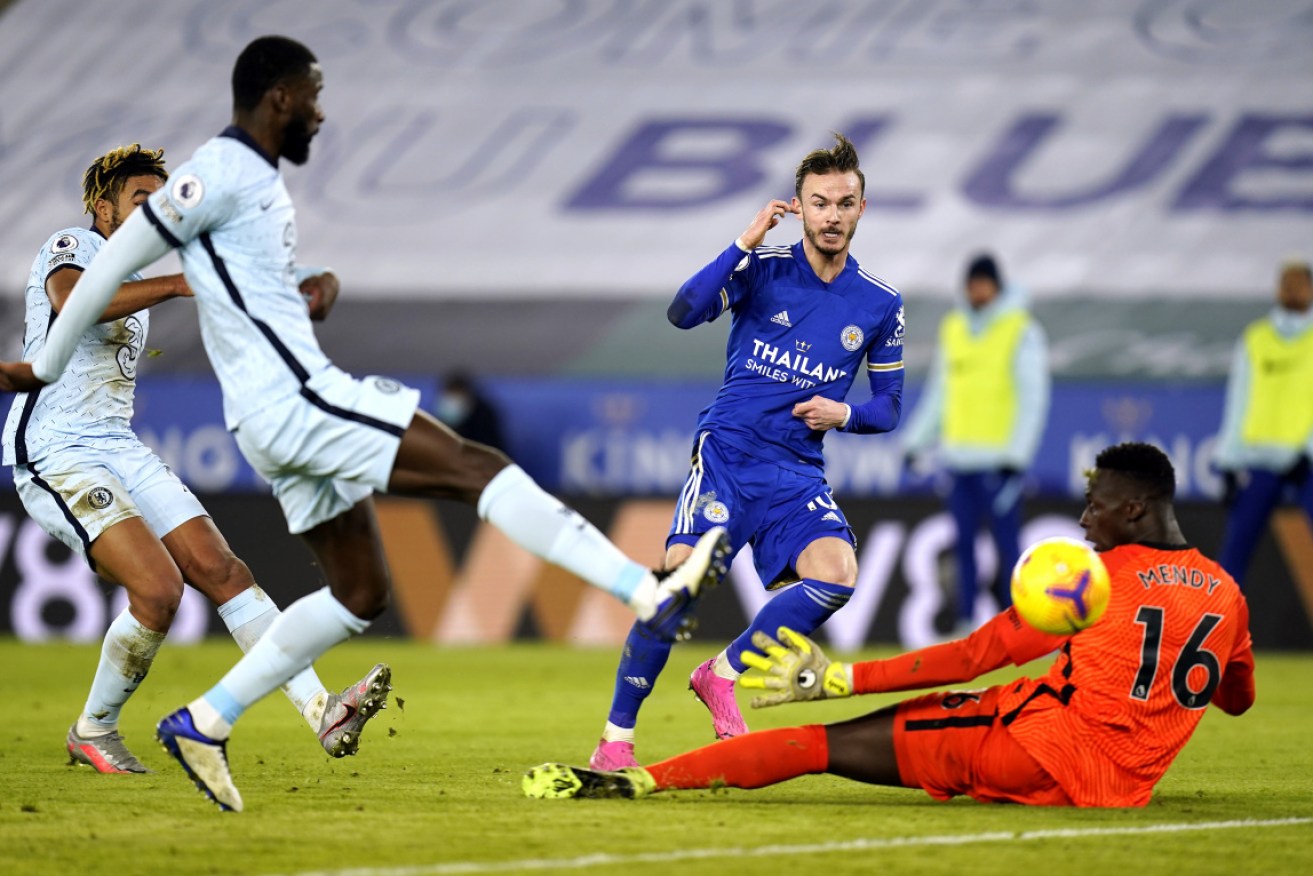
(180, 287)
(797, 670)
(764, 221)
(821, 413)
(18, 377)
(320, 293)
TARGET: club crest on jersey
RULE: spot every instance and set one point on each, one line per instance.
(716, 512)
(851, 337)
(387, 385)
(64, 243)
(100, 498)
(188, 190)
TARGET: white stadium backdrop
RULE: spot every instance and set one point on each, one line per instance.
(484, 148)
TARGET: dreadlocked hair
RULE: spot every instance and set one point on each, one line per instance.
(1143, 463)
(841, 159)
(107, 174)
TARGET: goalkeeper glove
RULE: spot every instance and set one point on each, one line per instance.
(797, 670)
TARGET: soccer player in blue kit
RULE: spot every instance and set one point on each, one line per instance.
(804, 318)
(325, 441)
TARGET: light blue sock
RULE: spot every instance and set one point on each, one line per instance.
(248, 616)
(540, 524)
(297, 638)
(125, 658)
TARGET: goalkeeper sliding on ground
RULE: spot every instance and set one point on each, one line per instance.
(1100, 728)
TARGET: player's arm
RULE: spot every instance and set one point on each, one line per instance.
(884, 371)
(135, 245)
(707, 294)
(320, 288)
(797, 669)
(1004, 640)
(1235, 694)
(130, 297)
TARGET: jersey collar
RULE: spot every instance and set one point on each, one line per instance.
(238, 134)
(1163, 546)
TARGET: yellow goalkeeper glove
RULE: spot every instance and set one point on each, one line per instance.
(797, 670)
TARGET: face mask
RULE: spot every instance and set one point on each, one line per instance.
(452, 409)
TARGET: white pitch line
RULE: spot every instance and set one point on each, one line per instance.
(604, 859)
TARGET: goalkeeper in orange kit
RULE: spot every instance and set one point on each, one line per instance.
(1100, 728)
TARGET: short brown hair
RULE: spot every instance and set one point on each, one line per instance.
(841, 159)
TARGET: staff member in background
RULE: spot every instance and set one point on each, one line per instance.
(469, 414)
(985, 403)
(1266, 440)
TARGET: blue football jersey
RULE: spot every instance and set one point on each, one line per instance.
(794, 336)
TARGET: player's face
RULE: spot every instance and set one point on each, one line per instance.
(1296, 290)
(981, 291)
(831, 204)
(136, 189)
(1105, 519)
(306, 115)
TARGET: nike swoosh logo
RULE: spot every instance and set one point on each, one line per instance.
(268, 205)
(350, 713)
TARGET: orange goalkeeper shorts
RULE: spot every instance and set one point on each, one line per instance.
(953, 743)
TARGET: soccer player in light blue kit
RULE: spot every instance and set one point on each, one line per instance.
(325, 441)
(87, 480)
(806, 319)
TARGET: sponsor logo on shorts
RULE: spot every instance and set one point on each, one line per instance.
(851, 337)
(100, 498)
(387, 385)
(716, 512)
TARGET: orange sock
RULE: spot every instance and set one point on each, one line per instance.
(751, 761)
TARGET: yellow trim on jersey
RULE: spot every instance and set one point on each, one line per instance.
(885, 366)
(724, 300)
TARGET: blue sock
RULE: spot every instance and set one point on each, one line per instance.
(644, 657)
(802, 608)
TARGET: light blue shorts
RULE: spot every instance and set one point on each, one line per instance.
(325, 450)
(77, 493)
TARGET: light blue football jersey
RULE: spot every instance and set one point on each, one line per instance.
(91, 403)
(229, 215)
(794, 336)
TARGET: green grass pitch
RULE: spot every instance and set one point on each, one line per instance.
(436, 786)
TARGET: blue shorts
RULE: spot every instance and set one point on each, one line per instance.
(778, 511)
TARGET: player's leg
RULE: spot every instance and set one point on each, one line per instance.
(209, 565)
(84, 505)
(126, 553)
(966, 505)
(642, 659)
(828, 571)
(434, 461)
(1247, 519)
(860, 749)
(711, 497)
(1004, 496)
(348, 551)
(753, 760)
(803, 536)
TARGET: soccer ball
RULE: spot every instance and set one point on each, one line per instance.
(1060, 586)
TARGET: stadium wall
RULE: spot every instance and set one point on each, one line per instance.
(458, 581)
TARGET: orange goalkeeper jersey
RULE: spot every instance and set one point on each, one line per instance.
(1124, 696)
